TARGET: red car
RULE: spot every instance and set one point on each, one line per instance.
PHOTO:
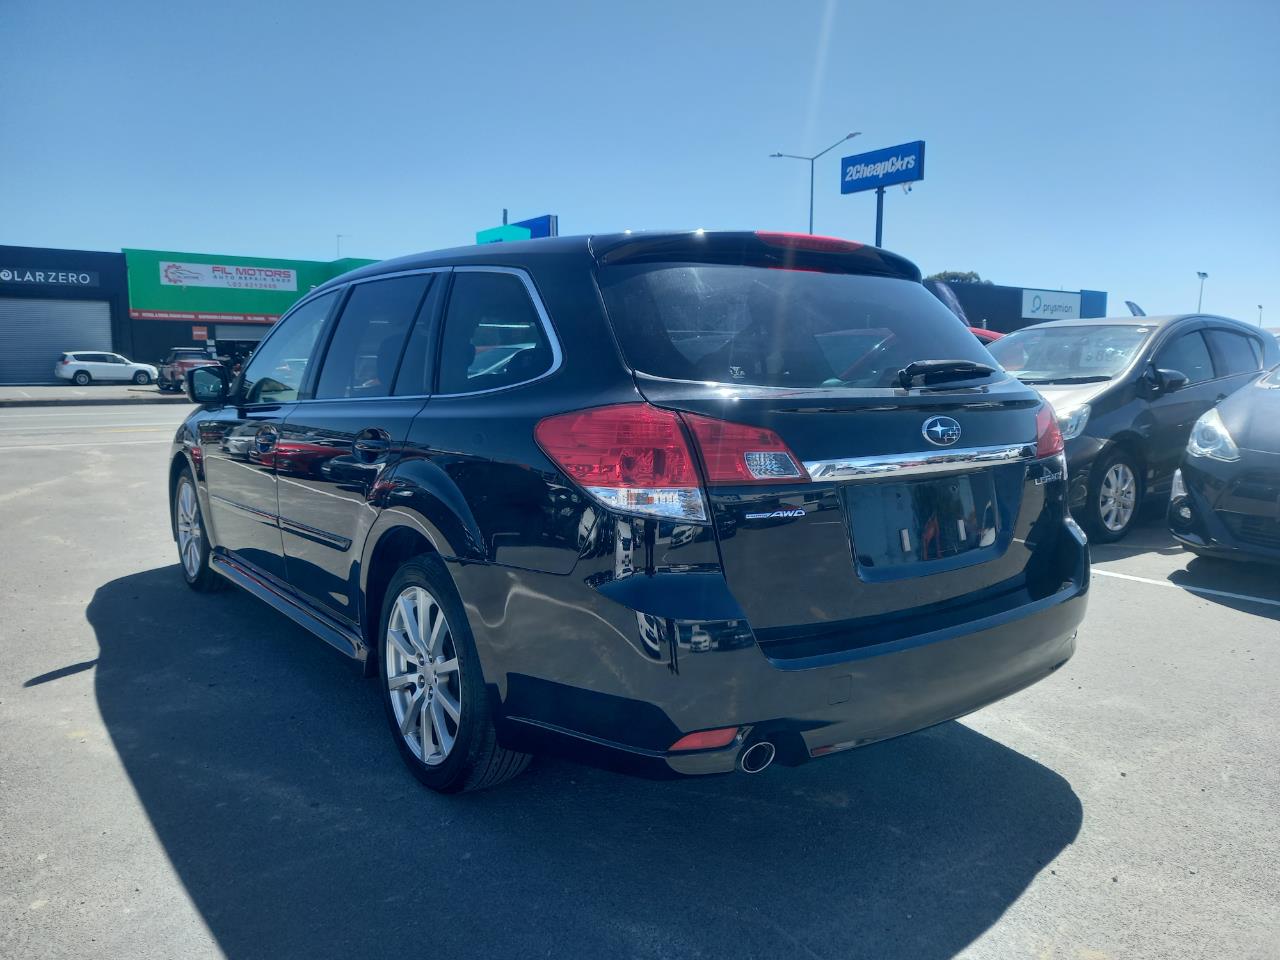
(985, 336)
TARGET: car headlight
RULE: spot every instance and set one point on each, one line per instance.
(1072, 421)
(1210, 438)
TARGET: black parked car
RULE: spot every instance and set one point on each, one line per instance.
(674, 503)
(1226, 497)
(1127, 392)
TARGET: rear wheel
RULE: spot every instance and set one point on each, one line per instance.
(193, 545)
(142, 378)
(1115, 496)
(82, 378)
(432, 686)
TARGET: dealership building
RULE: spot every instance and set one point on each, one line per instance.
(1006, 309)
(139, 302)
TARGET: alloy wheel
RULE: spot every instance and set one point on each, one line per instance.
(190, 534)
(421, 668)
(1117, 497)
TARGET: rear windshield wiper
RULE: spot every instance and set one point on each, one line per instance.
(927, 372)
(1090, 379)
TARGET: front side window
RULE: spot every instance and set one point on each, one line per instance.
(365, 350)
(742, 324)
(1069, 353)
(493, 336)
(1234, 353)
(275, 373)
(1188, 355)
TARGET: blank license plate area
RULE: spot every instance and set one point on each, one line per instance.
(896, 524)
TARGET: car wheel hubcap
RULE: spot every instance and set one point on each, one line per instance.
(421, 666)
(1118, 497)
(189, 532)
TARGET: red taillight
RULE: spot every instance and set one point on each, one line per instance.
(808, 241)
(1048, 436)
(64, 361)
(705, 739)
(632, 457)
(739, 453)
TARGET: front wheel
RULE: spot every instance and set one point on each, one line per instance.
(193, 544)
(142, 378)
(432, 686)
(1115, 496)
(82, 378)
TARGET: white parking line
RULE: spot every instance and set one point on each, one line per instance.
(1190, 589)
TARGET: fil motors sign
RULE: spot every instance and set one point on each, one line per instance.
(227, 276)
(54, 278)
(882, 168)
(1041, 305)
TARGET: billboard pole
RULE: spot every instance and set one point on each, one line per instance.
(879, 214)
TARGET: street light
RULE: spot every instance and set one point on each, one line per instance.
(1259, 314)
(796, 156)
(1203, 277)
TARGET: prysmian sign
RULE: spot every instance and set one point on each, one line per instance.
(1050, 305)
(882, 168)
(59, 278)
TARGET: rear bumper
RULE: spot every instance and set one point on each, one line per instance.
(808, 709)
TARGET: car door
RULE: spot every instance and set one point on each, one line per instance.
(1174, 413)
(119, 367)
(239, 441)
(97, 364)
(336, 444)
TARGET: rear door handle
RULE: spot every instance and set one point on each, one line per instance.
(372, 444)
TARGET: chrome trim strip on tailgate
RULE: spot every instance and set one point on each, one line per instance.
(917, 464)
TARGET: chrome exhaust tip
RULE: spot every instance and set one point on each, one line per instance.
(757, 757)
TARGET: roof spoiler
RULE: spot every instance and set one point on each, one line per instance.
(785, 251)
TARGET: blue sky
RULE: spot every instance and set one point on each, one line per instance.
(1119, 147)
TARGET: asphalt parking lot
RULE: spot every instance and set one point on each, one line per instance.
(189, 776)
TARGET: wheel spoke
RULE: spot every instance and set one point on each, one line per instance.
(439, 627)
(445, 699)
(411, 626)
(402, 681)
(399, 638)
(447, 666)
(411, 713)
(444, 737)
(425, 725)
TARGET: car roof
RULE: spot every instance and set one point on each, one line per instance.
(1158, 322)
(587, 246)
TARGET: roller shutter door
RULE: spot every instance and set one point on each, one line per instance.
(34, 333)
(240, 331)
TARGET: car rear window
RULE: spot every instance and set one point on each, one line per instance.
(779, 328)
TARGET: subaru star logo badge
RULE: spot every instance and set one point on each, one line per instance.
(941, 431)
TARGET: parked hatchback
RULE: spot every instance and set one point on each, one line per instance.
(83, 367)
(673, 503)
(1127, 392)
(1226, 496)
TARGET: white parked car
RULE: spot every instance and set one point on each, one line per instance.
(82, 367)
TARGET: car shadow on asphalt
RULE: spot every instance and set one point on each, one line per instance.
(265, 766)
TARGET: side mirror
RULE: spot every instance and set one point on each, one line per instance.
(1170, 380)
(208, 386)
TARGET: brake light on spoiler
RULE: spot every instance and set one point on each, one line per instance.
(637, 458)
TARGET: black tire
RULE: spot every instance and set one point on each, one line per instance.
(142, 378)
(82, 378)
(476, 759)
(1101, 524)
(198, 575)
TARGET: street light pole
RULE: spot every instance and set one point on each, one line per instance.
(1203, 277)
(1259, 315)
(796, 156)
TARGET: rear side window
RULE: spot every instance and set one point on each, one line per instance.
(778, 328)
(1234, 353)
(493, 336)
(365, 350)
(1188, 355)
(275, 373)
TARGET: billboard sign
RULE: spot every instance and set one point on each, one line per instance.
(547, 225)
(882, 168)
(234, 276)
(1041, 305)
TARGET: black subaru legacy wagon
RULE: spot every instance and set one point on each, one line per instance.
(672, 503)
